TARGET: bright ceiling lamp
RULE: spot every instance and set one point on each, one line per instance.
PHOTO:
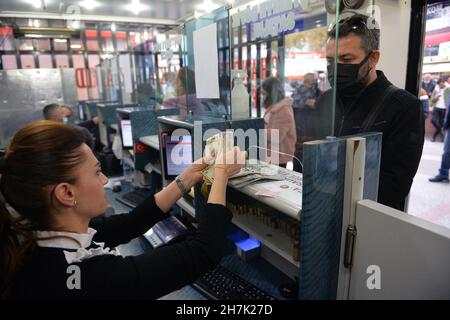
(136, 7)
(38, 4)
(207, 6)
(89, 4)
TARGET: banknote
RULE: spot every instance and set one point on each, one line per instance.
(216, 147)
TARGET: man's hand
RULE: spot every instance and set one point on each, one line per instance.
(311, 103)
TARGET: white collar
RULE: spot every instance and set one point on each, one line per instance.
(85, 239)
(81, 253)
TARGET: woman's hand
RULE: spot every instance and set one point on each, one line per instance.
(232, 162)
(225, 166)
(193, 173)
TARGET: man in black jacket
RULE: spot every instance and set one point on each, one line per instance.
(362, 93)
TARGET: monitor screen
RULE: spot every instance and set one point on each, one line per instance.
(178, 154)
(127, 136)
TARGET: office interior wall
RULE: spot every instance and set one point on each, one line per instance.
(395, 16)
(24, 93)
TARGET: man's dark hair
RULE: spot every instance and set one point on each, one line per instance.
(357, 24)
(49, 110)
(441, 80)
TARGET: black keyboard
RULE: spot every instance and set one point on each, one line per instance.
(222, 284)
(134, 198)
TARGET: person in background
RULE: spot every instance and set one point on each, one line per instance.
(52, 223)
(428, 84)
(186, 99)
(424, 99)
(167, 87)
(307, 93)
(442, 176)
(279, 116)
(305, 98)
(54, 112)
(366, 101)
(439, 101)
(68, 119)
(89, 125)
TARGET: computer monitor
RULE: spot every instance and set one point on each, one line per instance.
(127, 134)
(103, 131)
(177, 154)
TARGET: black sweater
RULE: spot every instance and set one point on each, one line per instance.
(149, 275)
(402, 124)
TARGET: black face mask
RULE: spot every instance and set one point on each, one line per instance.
(347, 82)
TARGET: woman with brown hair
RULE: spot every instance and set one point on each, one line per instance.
(278, 116)
(52, 223)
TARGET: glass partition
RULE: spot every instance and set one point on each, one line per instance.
(207, 86)
(171, 84)
(280, 46)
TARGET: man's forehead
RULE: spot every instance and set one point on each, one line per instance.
(350, 44)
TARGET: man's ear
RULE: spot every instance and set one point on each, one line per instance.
(65, 194)
(374, 58)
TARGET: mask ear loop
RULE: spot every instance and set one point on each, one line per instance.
(280, 153)
(366, 59)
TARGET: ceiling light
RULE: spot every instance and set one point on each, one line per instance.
(113, 27)
(136, 7)
(89, 4)
(61, 40)
(207, 6)
(75, 46)
(38, 4)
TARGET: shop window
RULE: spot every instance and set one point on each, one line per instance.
(91, 40)
(62, 61)
(9, 62)
(76, 45)
(25, 45)
(27, 61)
(121, 40)
(60, 44)
(43, 45)
(45, 61)
(107, 41)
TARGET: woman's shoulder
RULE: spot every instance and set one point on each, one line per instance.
(284, 105)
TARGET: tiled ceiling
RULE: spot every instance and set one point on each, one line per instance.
(157, 9)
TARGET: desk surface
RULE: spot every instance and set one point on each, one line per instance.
(285, 195)
(258, 271)
(151, 141)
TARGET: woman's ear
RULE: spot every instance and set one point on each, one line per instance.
(64, 194)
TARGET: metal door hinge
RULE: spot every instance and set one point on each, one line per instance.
(349, 246)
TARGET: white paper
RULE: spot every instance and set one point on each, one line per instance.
(206, 63)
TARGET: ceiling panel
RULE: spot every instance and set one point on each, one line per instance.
(158, 9)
